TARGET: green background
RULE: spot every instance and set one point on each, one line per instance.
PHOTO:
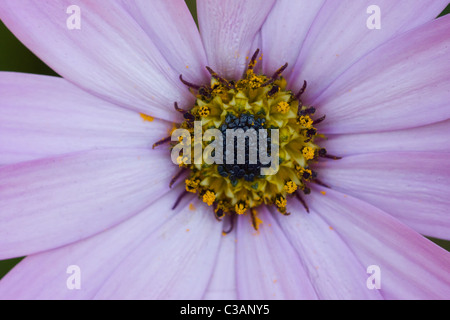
(16, 57)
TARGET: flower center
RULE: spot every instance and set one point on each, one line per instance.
(274, 131)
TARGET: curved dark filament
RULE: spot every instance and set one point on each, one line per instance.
(302, 90)
(232, 218)
(302, 201)
(189, 84)
(253, 60)
(161, 142)
(223, 81)
(180, 197)
(275, 76)
(175, 178)
(321, 119)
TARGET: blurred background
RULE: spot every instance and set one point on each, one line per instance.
(16, 57)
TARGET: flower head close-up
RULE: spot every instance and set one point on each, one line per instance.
(256, 150)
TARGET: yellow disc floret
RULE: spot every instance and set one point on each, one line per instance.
(308, 153)
(209, 198)
(290, 187)
(255, 102)
(283, 107)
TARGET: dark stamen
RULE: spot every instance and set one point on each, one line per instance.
(319, 120)
(307, 111)
(253, 60)
(303, 202)
(218, 213)
(254, 222)
(189, 84)
(175, 178)
(180, 197)
(273, 91)
(179, 109)
(302, 90)
(323, 154)
(223, 81)
(275, 75)
(186, 114)
(162, 141)
(232, 217)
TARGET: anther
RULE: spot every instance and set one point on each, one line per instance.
(178, 108)
(189, 84)
(253, 60)
(232, 217)
(175, 178)
(161, 142)
(255, 220)
(275, 75)
(319, 120)
(218, 213)
(223, 81)
(273, 91)
(307, 111)
(186, 114)
(302, 90)
(302, 201)
(180, 197)
(323, 154)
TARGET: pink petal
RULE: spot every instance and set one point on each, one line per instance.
(339, 37)
(171, 26)
(228, 29)
(52, 202)
(399, 85)
(111, 55)
(222, 285)
(284, 32)
(332, 267)
(97, 257)
(411, 266)
(412, 186)
(431, 138)
(267, 266)
(175, 262)
(42, 117)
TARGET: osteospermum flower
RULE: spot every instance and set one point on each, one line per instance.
(81, 187)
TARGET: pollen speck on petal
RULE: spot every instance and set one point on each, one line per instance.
(147, 117)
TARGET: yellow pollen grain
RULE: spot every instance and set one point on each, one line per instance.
(182, 161)
(192, 185)
(191, 207)
(323, 192)
(240, 208)
(308, 153)
(258, 222)
(290, 187)
(209, 198)
(281, 202)
(204, 111)
(147, 117)
(306, 121)
(283, 107)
